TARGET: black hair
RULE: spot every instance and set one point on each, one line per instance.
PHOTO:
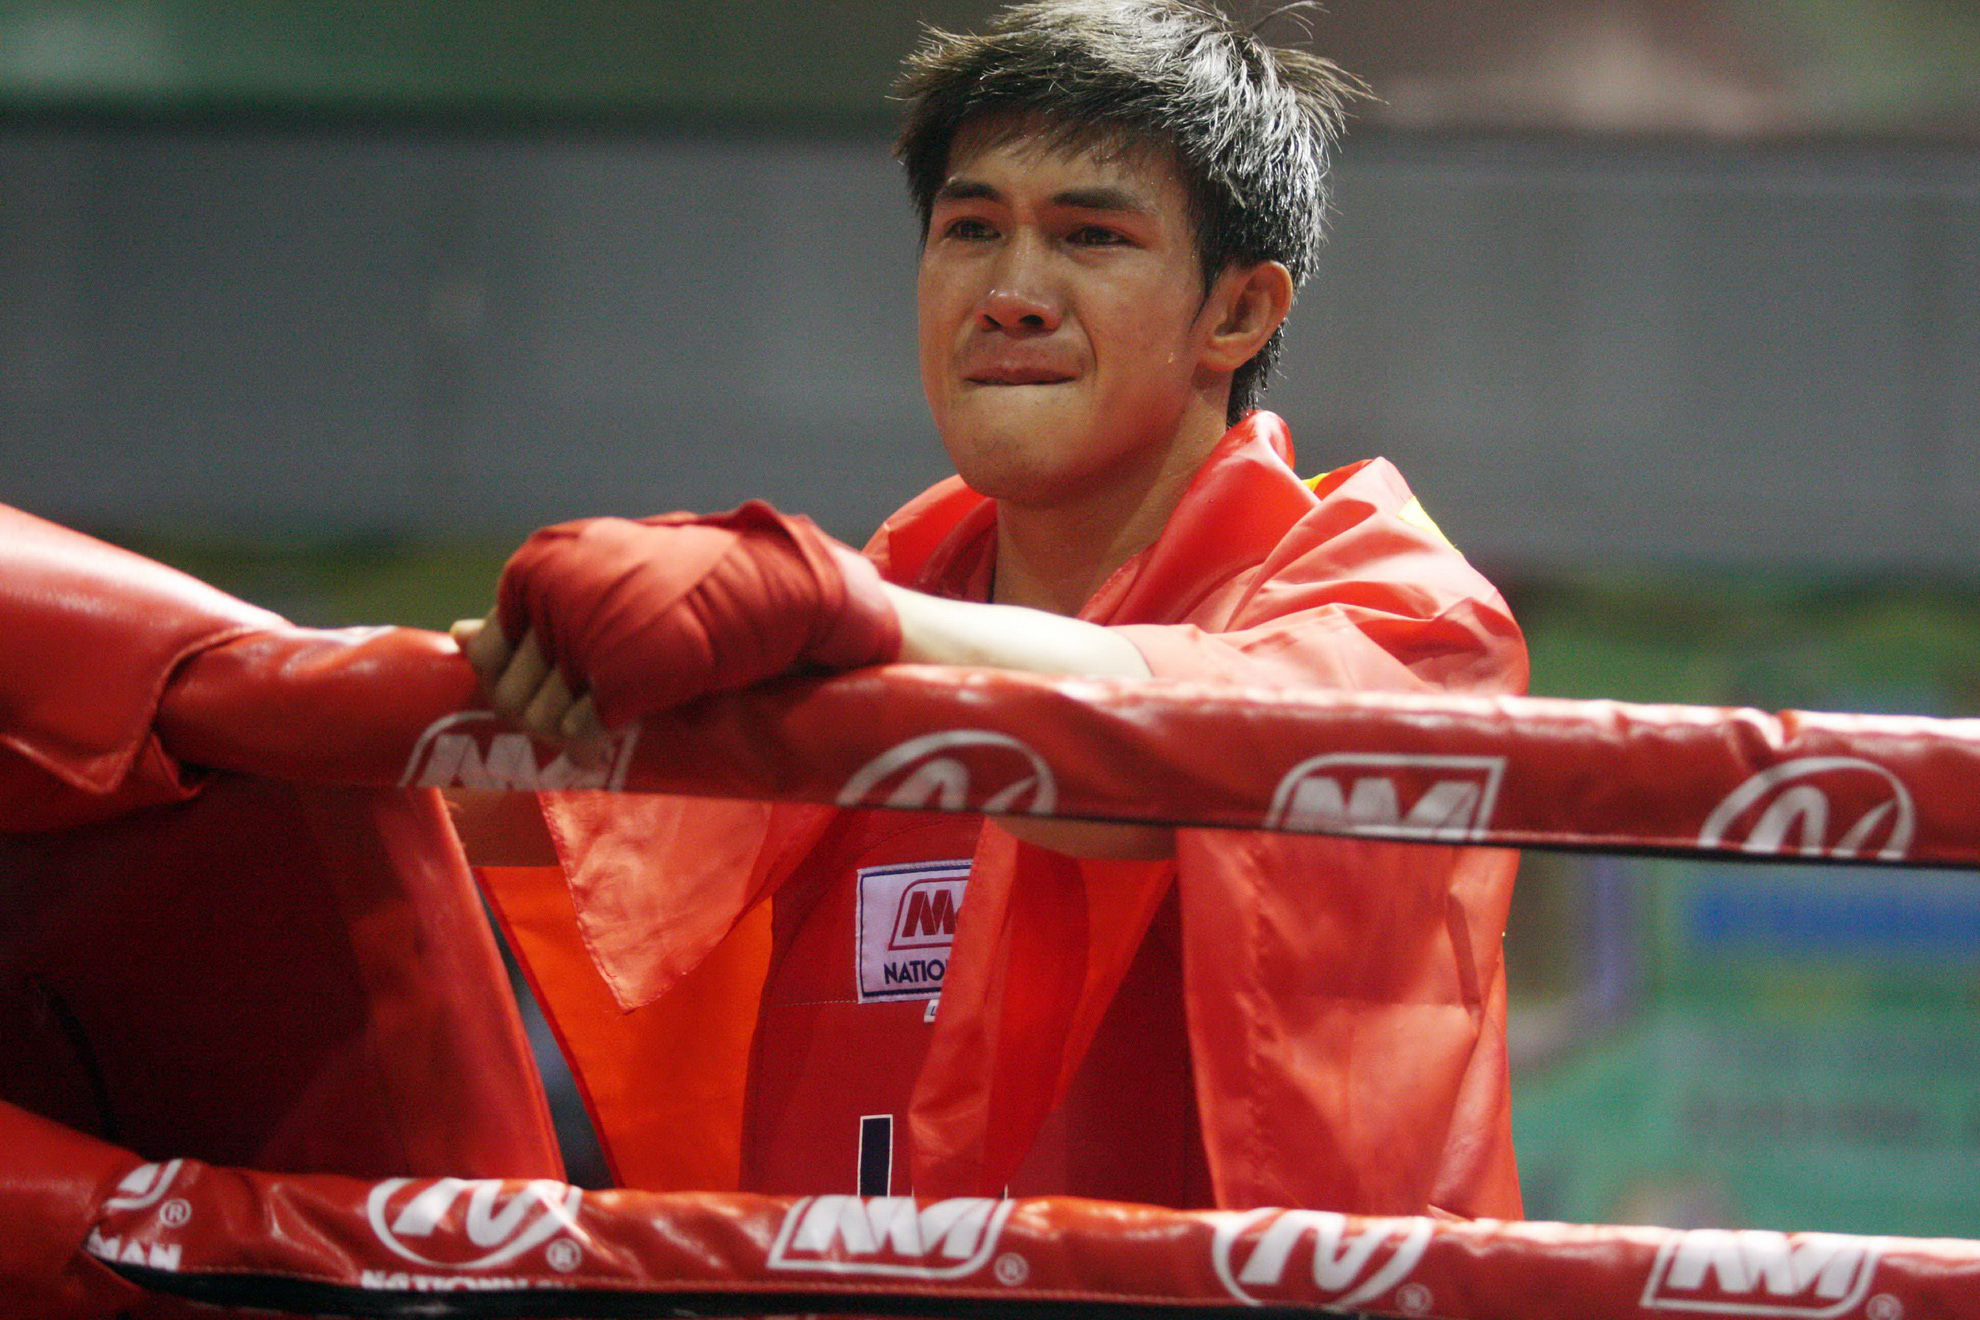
(1249, 124)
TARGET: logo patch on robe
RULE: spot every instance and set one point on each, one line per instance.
(906, 926)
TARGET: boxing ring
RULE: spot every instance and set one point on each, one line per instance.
(389, 708)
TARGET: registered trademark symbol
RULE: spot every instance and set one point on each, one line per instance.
(1414, 1299)
(1012, 1269)
(175, 1212)
(1884, 1307)
(563, 1255)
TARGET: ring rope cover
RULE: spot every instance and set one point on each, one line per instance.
(329, 1245)
(1517, 771)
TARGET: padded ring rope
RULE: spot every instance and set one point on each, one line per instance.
(1520, 771)
(324, 1244)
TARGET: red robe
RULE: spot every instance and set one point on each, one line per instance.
(1345, 999)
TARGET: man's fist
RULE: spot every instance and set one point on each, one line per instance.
(627, 618)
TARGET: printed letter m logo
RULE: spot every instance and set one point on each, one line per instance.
(889, 1236)
(1440, 799)
(928, 914)
(1751, 1272)
(474, 749)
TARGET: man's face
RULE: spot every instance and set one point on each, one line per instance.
(1060, 296)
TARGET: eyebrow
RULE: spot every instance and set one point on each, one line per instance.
(1098, 198)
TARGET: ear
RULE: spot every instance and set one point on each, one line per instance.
(1246, 304)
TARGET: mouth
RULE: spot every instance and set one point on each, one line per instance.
(1017, 374)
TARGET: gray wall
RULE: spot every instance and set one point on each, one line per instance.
(1579, 353)
(1658, 356)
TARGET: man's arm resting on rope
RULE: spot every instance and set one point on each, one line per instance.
(654, 614)
(954, 632)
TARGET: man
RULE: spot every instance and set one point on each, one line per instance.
(1118, 200)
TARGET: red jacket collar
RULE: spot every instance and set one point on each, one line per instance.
(1235, 509)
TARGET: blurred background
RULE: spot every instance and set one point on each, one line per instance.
(1670, 310)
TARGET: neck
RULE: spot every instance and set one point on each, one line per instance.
(1055, 556)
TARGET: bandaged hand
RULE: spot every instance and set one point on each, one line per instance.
(606, 620)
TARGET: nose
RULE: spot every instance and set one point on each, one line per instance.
(1020, 300)
(1018, 311)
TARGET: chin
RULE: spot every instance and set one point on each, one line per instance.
(1028, 447)
(1000, 457)
(1024, 474)
(1001, 477)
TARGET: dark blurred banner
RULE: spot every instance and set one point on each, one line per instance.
(1738, 68)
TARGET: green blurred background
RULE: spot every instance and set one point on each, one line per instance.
(1763, 1045)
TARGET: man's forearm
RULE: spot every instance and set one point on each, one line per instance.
(953, 632)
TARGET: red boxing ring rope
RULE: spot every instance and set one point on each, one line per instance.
(1518, 771)
(1589, 775)
(333, 1245)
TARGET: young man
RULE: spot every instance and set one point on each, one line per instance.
(1118, 201)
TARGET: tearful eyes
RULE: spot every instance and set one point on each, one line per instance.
(972, 230)
(1094, 236)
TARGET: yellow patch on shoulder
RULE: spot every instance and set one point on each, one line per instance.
(1413, 514)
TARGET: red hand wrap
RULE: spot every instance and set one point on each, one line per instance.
(645, 615)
